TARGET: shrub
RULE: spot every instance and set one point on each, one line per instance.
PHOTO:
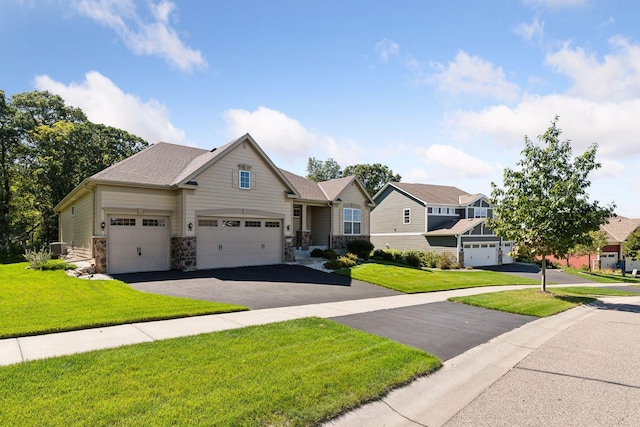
(445, 261)
(38, 259)
(348, 260)
(330, 254)
(317, 253)
(412, 258)
(360, 247)
(382, 254)
(429, 259)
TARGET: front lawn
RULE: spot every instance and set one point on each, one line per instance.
(37, 302)
(532, 302)
(294, 373)
(412, 280)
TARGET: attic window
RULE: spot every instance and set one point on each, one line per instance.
(192, 182)
(245, 179)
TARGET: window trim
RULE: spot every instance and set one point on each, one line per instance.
(406, 216)
(247, 180)
(351, 222)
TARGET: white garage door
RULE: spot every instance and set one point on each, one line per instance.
(608, 260)
(137, 244)
(480, 254)
(235, 242)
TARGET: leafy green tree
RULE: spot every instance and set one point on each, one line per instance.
(597, 239)
(373, 177)
(543, 206)
(319, 171)
(631, 247)
(9, 142)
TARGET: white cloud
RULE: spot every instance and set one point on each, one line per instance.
(530, 31)
(276, 132)
(104, 102)
(454, 162)
(615, 77)
(555, 4)
(614, 126)
(472, 75)
(153, 37)
(386, 48)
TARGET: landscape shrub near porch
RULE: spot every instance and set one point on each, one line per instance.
(295, 373)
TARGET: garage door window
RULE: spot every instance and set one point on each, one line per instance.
(123, 222)
(272, 224)
(254, 224)
(207, 222)
(230, 223)
(153, 223)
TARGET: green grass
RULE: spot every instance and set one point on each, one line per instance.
(532, 302)
(294, 373)
(602, 277)
(36, 302)
(413, 280)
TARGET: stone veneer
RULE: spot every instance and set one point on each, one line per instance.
(100, 254)
(303, 239)
(183, 253)
(500, 256)
(340, 242)
(289, 255)
(461, 258)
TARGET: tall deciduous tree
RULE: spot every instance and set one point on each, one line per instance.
(543, 205)
(319, 171)
(373, 177)
(9, 142)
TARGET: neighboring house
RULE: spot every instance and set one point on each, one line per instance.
(437, 218)
(176, 207)
(618, 229)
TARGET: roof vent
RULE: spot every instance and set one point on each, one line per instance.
(213, 150)
(192, 182)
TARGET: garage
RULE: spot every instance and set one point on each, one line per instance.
(236, 242)
(137, 244)
(478, 254)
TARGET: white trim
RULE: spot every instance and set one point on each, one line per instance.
(396, 234)
(240, 172)
(406, 216)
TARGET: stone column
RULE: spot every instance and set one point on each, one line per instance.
(461, 258)
(304, 239)
(289, 254)
(100, 254)
(499, 256)
(183, 253)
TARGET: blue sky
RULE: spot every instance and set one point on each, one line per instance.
(441, 92)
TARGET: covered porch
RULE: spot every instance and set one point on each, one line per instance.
(312, 226)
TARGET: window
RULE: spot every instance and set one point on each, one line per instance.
(208, 222)
(406, 216)
(123, 222)
(230, 223)
(254, 224)
(272, 224)
(480, 212)
(437, 210)
(352, 220)
(245, 180)
(153, 223)
(297, 211)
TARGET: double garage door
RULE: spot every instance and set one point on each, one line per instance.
(480, 254)
(137, 243)
(235, 242)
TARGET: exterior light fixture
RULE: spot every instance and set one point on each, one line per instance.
(190, 226)
(103, 225)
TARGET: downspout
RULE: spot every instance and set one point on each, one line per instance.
(330, 204)
(458, 245)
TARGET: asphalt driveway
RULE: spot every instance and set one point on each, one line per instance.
(532, 271)
(258, 287)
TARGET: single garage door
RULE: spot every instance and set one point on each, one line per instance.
(137, 244)
(480, 254)
(236, 242)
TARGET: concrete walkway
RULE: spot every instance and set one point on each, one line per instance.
(491, 384)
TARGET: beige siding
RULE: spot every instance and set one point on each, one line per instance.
(218, 187)
(352, 197)
(77, 230)
(402, 242)
(145, 201)
(388, 217)
(320, 225)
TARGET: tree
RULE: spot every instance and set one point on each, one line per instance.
(373, 177)
(319, 171)
(9, 141)
(597, 239)
(631, 247)
(544, 207)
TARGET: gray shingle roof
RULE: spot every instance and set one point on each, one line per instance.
(620, 227)
(456, 227)
(308, 189)
(158, 164)
(433, 194)
(334, 187)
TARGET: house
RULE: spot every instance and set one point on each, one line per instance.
(437, 218)
(176, 207)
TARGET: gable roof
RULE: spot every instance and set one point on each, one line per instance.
(620, 227)
(432, 194)
(325, 191)
(456, 227)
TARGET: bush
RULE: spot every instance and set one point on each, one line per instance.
(412, 258)
(429, 259)
(330, 254)
(38, 259)
(360, 247)
(383, 255)
(348, 260)
(317, 253)
(445, 261)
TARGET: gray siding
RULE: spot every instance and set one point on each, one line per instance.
(388, 217)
